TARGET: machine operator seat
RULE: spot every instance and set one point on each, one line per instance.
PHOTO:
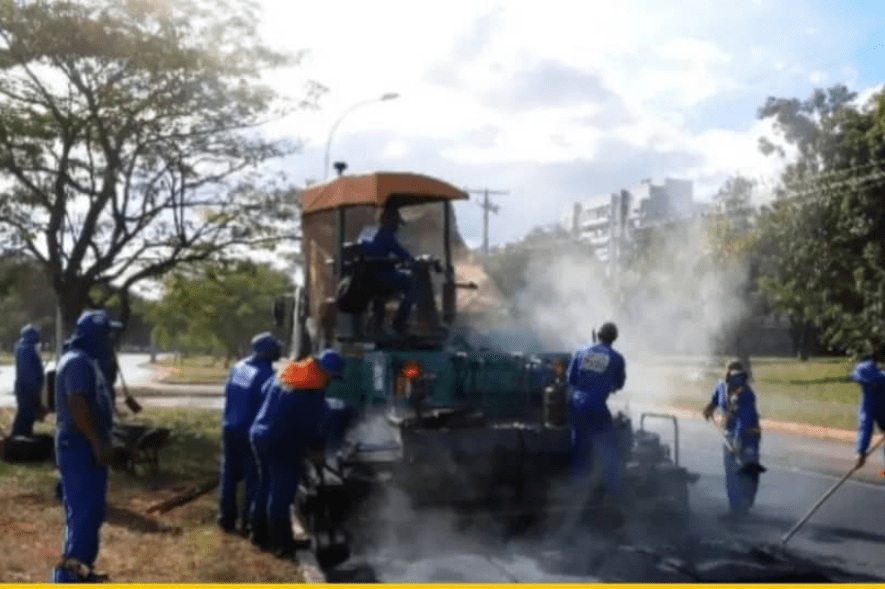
(359, 292)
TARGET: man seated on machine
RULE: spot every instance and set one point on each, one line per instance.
(380, 241)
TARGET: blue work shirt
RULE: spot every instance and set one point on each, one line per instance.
(294, 415)
(381, 242)
(594, 373)
(872, 402)
(79, 374)
(28, 364)
(741, 417)
(242, 392)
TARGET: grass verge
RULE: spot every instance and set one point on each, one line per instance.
(193, 370)
(181, 546)
(817, 392)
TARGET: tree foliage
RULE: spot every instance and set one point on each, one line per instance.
(130, 139)
(218, 306)
(822, 239)
(730, 227)
(23, 299)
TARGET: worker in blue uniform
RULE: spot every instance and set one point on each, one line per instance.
(28, 381)
(242, 399)
(734, 397)
(83, 444)
(291, 426)
(594, 373)
(872, 404)
(379, 241)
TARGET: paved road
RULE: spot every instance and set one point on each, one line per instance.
(846, 536)
(847, 533)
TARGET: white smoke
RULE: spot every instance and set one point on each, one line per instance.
(671, 302)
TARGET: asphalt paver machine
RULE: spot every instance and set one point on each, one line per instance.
(441, 420)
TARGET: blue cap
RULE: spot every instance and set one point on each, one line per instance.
(96, 322)
(267, 346)
(331, 362)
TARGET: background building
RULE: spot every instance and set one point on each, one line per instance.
(609, 222)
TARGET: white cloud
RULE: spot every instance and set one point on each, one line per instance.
(394, 150)
(484, 83)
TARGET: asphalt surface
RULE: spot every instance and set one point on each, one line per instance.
(846, 535)
(844, 539)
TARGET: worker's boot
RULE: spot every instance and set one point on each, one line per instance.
(258, 536)
(71, 570)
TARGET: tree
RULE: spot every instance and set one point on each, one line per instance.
(731, 225)
(219, 305)
(23, 299)
(130, 136)
(824, 234)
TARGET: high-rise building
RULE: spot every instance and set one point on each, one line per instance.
(609, 222)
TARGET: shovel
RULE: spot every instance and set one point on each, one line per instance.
(753, 468)
(130, 401)
(827, 495)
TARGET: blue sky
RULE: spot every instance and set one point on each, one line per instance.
(562, 100)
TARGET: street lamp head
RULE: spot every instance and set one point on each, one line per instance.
(389, 96)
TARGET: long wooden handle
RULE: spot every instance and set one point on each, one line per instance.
(184, 497)
(827, 495)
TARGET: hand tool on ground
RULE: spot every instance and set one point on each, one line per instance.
(184, 497)
(133, 405)
(827, 495)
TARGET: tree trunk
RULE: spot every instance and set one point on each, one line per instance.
(73, 298)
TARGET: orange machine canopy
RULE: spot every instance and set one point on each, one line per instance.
(374, 189)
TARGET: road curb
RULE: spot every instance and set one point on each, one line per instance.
(786, 426)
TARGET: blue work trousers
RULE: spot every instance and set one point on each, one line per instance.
(741, 487)
(258, 508)
(284, 473)
(85, 486)
(404, 283)
(25, 413)
(588, 444)
(278, 477)
(237, 464)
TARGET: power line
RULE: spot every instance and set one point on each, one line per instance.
(486, 206)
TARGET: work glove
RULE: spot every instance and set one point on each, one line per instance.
(708, 410)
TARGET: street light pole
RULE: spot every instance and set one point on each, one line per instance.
(383, 97)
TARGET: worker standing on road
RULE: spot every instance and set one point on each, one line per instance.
(872, 403)
(594, 373)
(291, 425)
(737, 401)
(28, 381)
(242, 399)
(83, 444)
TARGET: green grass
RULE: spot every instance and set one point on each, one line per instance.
(191, 453)
(194, 370)
(818, 391)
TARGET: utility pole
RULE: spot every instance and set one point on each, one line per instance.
(486, 206)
